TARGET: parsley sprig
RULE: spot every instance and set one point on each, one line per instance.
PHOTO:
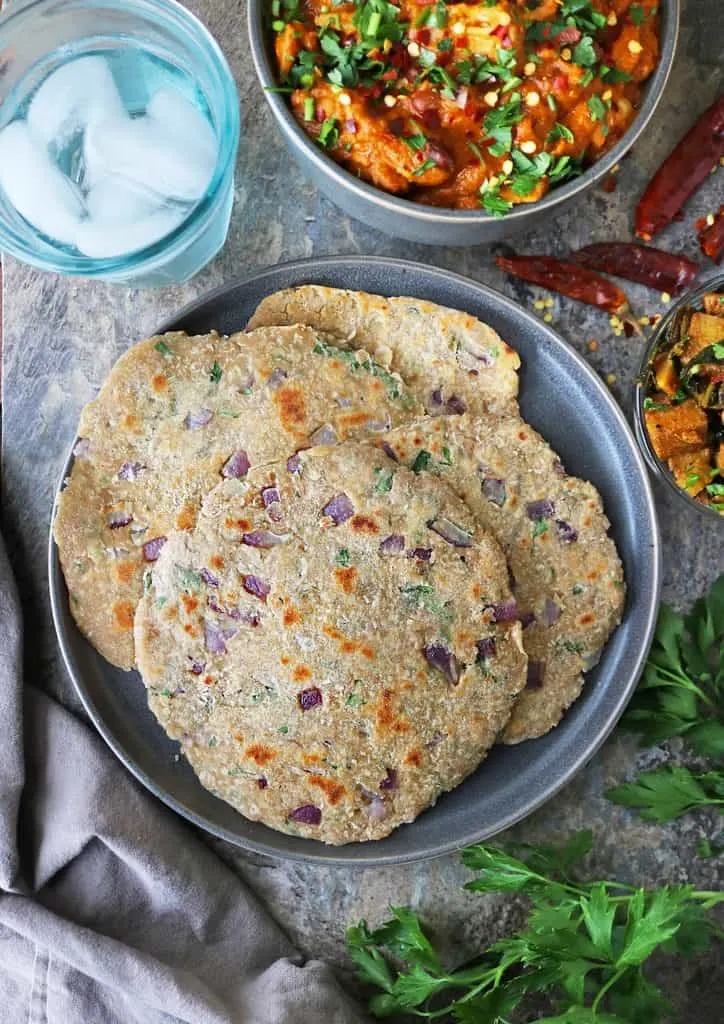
(681, 694)
(585, 945)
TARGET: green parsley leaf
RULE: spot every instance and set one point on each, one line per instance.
(669, 791)
(215, 373)
(637, 14)
(342, 557)
(422, 461)
(446, 459)
(613, 75)
(540, 527)
(559, 131)
(494, 203)
(415, 142)
(715, 489)
(597, 108)
(163, 348)
(584, 53)
(384, 480)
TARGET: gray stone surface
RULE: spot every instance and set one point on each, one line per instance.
(62, 336)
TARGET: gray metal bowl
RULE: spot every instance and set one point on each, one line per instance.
(417, 222)
(714, 282)
(563, 399)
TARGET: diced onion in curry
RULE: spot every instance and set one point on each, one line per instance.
(465, 105)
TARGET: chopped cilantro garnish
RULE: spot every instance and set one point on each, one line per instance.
(188, 578)
(587, 78)
(163, 348)
(578, 588)
(342, 557)
(584, 53)
(559, 131)
(213, 742)
(637, 14)
(309, 108)
(446, 459)
(597, 108)
(494, 203)
(215, 373)
(649, 403)
(284, 729)
(499, 122)
(540, 527)
(355, 699)
(415, 142)
(422, 461)
(384, 480)
(613, 75)
(444, 45)
(718, 350)
(716, 489)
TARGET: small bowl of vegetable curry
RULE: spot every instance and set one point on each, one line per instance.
(679, 406)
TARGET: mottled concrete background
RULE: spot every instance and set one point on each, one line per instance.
(62, 336)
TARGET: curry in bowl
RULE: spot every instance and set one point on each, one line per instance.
(465, 105)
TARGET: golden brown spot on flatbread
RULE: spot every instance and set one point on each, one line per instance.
(348, 646)
(186, 519)
(216, 561)
(238, 737)
(172, 612)
(592, 575)
(291, 616)
(129, 420)
(332, 632)
(158, 382)
(289, 400)
(414, 758)
(364, 524)
(188, 628)
(260, 754)
(587, 620)
(208, 680)
(334, 791)
(310, 759)
(190, 603)
(346, 578)
(354, 419)
(243, 524)
(301, 672)
(477, 591)
(124, 571)
(285, 659)
(123, 614)
(386, 718)
(522, 435)
(587, 521)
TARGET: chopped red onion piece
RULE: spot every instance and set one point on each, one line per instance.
(339, 509)
(262, 783)
(541, 509)
(392, 545)
(197, 667)
(566, 532)
(342, 402)
(435, 741)
(264, 539)
(152, 548)
(351, 126)
(258, 588)
(81, 448)
(534, 679)
(527, 619)
(377, 811)
(276, 377)
(294, 463)
(129, 471)
(439, 657)
(436, 398)
(439, 155)
(494, 490)
(236, 466)
(451, 532)
(390, 782)
(272, 502)
(456, 406)
(551, 612)
(310, 698)
(307, 814)
(570, 34)
(389, 451)
(214, 638)
(503, 611)
(118, 519)
(209, 578)
(324, 435)
(486, 648)
(559, 468)
(424, 554)
(194, 420)
(477, 352)
(462, 98)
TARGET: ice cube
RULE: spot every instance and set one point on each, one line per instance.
(104, 240)
(80, 93)
(182, 120)
(140, 150)
(115, 199)
(37, 189)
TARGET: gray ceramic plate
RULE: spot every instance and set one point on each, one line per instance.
(563, 399)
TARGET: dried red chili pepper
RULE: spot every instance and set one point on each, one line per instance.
(711, 237)
(641, 263)
(567, 278)
(682, 172)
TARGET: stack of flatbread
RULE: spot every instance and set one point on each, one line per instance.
(341, 561)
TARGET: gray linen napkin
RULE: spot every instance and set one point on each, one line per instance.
(111, 909)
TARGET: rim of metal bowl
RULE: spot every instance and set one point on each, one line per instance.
(670, 18)
(712, 282)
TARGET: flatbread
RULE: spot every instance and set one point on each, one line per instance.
(451, 361)
(565, 567)
(175, 416)
(331, 683)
